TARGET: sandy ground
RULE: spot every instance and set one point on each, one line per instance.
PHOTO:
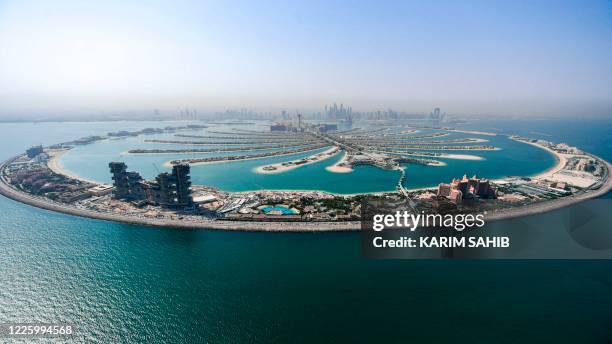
(460, 157)
(335, 168)
(547, 206)
(280, 168)
(548, 174)
(56, 166)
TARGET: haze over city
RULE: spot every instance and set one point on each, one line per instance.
(545, 58)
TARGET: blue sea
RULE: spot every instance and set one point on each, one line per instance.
(120, 283)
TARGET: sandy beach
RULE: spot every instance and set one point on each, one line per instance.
(461, 157)
(546, 206)
(336, 168)
(548, 174)
(8, 191)
(55, 165)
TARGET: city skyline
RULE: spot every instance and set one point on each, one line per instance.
(498, 58)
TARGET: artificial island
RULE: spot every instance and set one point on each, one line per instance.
(171, 199)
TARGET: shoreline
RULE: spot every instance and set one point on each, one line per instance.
(286, 226)
(168, 163)
(311, 159)
(336, 168)
(283, 226)
(56, 166)
(561, 161)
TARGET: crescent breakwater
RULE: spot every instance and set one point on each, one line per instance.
(42, 182)
(186, 222)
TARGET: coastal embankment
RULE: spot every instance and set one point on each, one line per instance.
(44, 203)
(9, 191)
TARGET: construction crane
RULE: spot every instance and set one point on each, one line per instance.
(156, 169)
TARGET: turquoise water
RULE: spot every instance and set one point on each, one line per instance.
(283, 210)
(118, 283)
(514, 159)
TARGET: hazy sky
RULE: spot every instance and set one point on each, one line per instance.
(499, 57)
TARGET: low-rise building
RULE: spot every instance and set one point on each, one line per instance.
(101, 190)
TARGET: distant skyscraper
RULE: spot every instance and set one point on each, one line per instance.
(333, 113)
(435, 115)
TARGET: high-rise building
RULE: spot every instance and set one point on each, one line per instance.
(32, 152)
(333, 112)
(467, 188)
(128, 185)
(183, 184)
(172, 189)
(168, 189)
(435, 115)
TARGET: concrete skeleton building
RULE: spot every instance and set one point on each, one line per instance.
(128, 185)
(172, 190)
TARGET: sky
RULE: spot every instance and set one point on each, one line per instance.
(467, 57)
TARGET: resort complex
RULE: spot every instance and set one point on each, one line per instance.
(268, 151)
